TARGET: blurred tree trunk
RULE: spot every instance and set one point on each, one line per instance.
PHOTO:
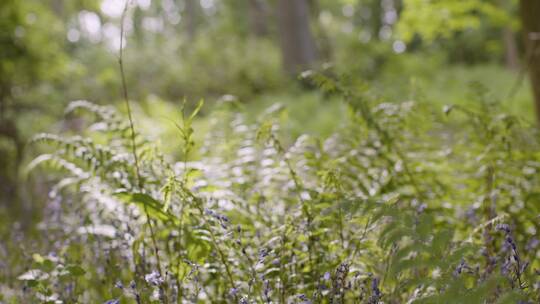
(325, 44)
(511, 51)
(191, 15)
(258, 17)
(58, 8)
(511, 54)
(138, 30)
(530, 17)
(398, 5)
(376, 19)
(297, 43)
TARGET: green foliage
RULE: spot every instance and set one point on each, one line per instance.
(441, 18)
(330, 195)
(393, 207)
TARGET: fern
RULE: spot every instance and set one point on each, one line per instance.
(367, 215)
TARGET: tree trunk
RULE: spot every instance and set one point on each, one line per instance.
(321, 36)
(297, 43)
(191, 15)
(376, 19)
(530, 17)
(258, 16)
(58, 8)
(511, 54)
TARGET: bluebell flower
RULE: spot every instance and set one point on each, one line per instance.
(154, 278)
(304, 299)
(503, 227)
(327, 276)
(119, 285)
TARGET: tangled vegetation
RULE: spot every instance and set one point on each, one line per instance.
(405, 203)
(323, 168)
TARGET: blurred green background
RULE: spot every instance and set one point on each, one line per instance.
(53, 52)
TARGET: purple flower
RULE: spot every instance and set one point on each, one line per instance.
(327, 276)
(460, 268)
(304, 300)
(375, 286)
(421, 208)
(119, 285)
(375, 292)
(267, 290)
(503, 227)
(154, 278)
(532, 244)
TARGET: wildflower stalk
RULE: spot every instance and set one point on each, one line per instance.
(133, 143)
(223, 258)
(305, 208)
(253, 276)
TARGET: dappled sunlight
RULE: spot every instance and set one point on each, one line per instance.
(269, 151)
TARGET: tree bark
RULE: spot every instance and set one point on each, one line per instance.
(376, 19)
(258, 17)
(511, 54)
(530, 17)
(297, 43)
(191, 15)
(324, 46)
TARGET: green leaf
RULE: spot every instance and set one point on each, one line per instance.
(511, 297)
(197, 109)
(75, 270)
(38, 258)
(149, 205)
